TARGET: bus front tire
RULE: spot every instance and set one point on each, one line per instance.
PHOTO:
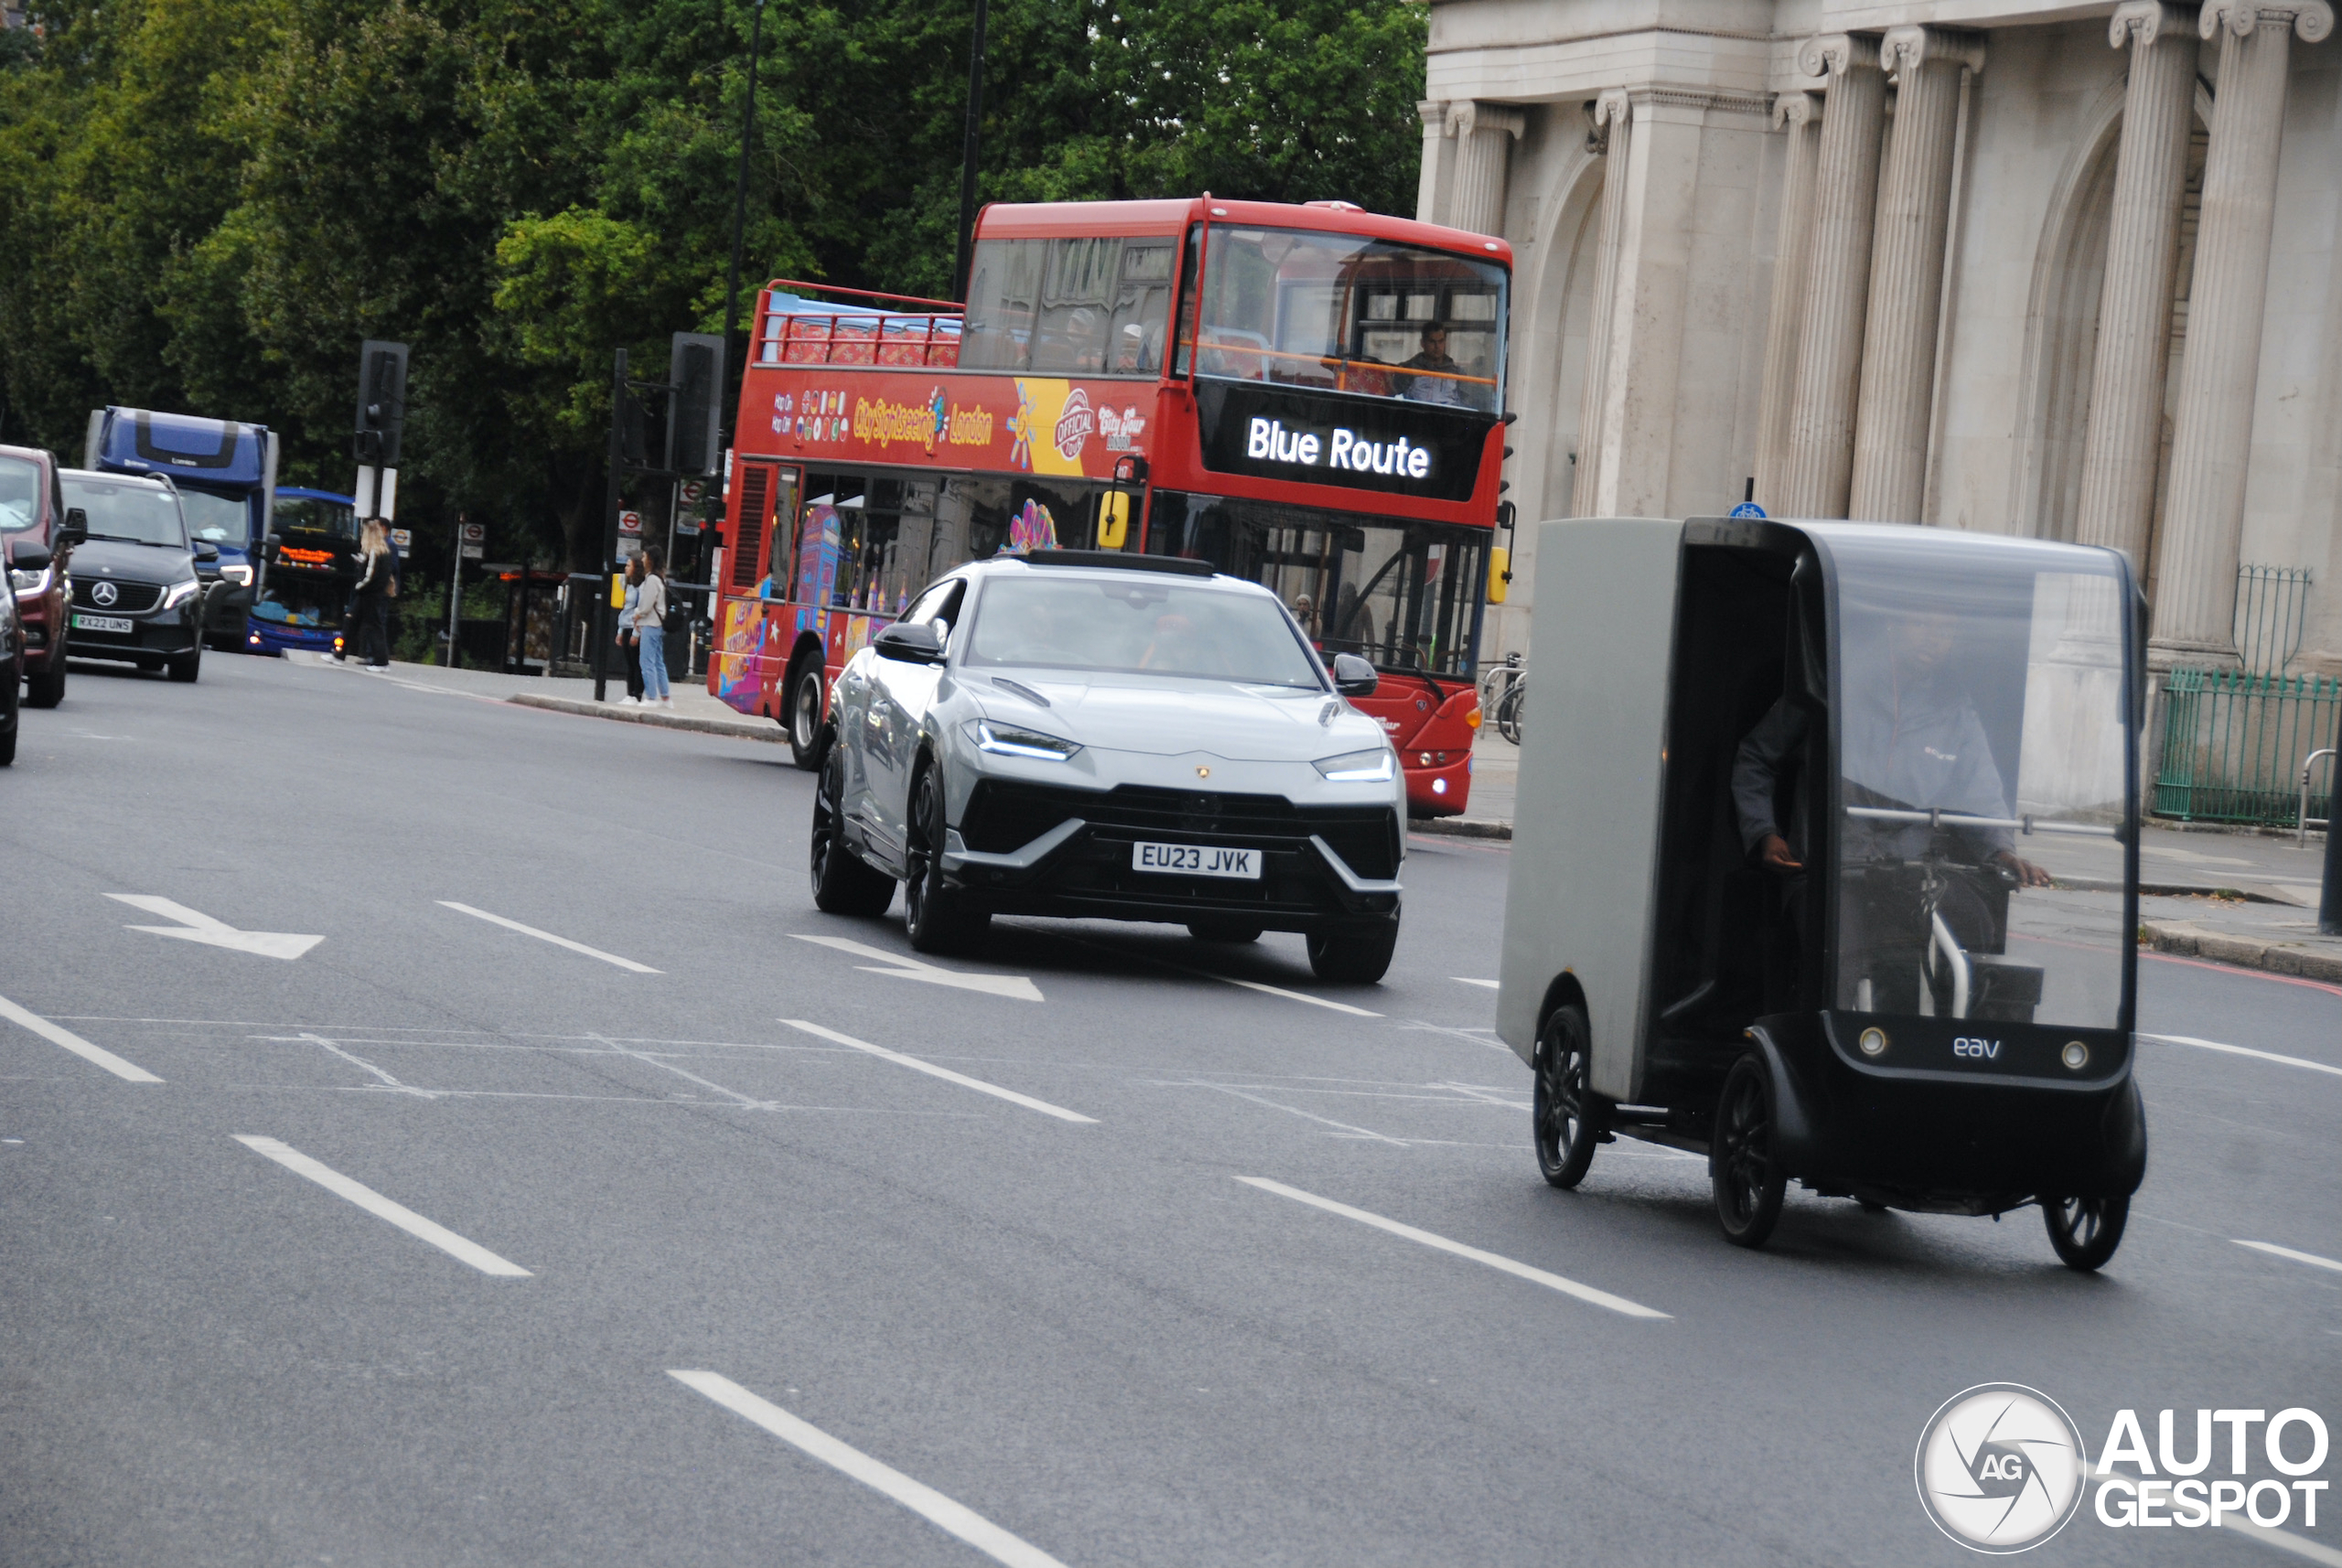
(801, 712)
(1354, 955)
(1747, 1181)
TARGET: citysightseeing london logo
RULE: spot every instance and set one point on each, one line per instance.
(2000, 1469)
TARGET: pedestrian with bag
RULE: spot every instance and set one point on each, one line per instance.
(370, 596)
(650, 627)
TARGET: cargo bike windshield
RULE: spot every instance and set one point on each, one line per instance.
(1982, 725)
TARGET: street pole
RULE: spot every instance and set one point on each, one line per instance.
(968, 157)
(740, 199)
(603, 630)
(456, 595)
(2329, 902)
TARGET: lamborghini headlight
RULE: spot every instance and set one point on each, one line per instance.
(1376, 766)
(1006, 740)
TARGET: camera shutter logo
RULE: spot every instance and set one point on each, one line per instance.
(2000, 1469)
(104, 593)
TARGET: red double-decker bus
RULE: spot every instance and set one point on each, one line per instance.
(1307, 396)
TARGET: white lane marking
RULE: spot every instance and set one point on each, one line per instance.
(1495, 1261)
(75, 1043)
(963, 1079)
(1467, 980)
(923, 1500)
(748, 1102)
(2283, 1540)
(1224, 979)
(1291, 1110)
(2274, 1251)
(358, 1061)
(381, 1208)
(2242, 1051)
(194, 926)
(548, 937)
(1011, 985)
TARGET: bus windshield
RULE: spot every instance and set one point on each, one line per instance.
(1348, 314)
(315, 514)
(1135, 625)
(1403, 594)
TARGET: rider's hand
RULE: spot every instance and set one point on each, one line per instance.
(1774, 855)
(2028, 873)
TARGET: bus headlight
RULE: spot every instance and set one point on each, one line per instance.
(1376, 766)
(238, 573)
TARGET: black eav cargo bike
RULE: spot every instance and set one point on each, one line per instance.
(1774, 896)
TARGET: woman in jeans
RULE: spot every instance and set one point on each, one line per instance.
(650, 627)
(632, 578)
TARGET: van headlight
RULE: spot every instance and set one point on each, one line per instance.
(1004, 740)
(1377, 766)
(179, 593)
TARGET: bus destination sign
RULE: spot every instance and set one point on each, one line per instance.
(1363, 443)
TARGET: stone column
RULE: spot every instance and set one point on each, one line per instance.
(1814, 480)
(1799, 111)
(2124, 443)
(1614, 126)
(1484, 136)
(1898, 377)
(1430, 184)
(2211, 446)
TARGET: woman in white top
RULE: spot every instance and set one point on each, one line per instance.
(650, 627)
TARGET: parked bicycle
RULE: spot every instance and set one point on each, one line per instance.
(1504, 696)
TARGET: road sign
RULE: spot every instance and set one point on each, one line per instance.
(693, 492)
(630, 524)
(475, 551)
(1747, 509)
(475, 533)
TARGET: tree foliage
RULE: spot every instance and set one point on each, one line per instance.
(210, 203)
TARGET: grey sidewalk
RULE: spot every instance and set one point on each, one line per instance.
(695, 710)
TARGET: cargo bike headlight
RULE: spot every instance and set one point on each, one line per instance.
(1006, 740)
(1377, 766)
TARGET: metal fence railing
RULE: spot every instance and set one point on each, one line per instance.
(2234, 744)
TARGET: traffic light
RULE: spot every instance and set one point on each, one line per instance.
(694, 404)
(382, 403)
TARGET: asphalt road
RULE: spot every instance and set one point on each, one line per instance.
(1076, 1316)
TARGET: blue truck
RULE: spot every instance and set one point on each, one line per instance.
(287, 556)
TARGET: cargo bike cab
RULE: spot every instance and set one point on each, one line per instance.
(1776, 894)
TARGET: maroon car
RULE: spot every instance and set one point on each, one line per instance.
(32, 519)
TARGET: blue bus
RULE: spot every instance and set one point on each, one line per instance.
(302, 599)
(263, 600)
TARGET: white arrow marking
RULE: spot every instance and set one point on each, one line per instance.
(1014, 985)
(196, 927)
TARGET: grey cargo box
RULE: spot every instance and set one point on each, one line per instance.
(1593, 760)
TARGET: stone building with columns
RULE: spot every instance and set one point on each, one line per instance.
(2067, 270)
